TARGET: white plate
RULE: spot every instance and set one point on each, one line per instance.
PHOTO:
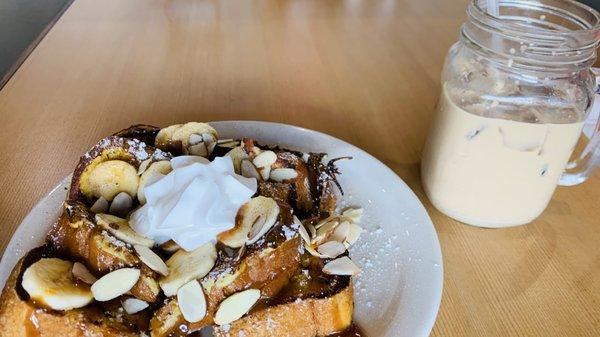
(399, 291)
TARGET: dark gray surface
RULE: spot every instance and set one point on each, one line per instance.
(21, 23)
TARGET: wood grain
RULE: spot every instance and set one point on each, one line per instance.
(364, 71)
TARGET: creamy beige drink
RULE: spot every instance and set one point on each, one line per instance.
(493, 172)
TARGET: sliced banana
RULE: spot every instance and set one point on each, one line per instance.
(154, 172)
(111, 177)
(115, 284)
(192, 302)
(186, 266)
(253, 219)
(236, 306)
(50, 282)
(120, 229)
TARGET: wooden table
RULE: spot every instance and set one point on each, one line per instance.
(364, 71)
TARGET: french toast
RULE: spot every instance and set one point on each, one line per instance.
(141, 248)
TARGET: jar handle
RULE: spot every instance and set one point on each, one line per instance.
(583, 162)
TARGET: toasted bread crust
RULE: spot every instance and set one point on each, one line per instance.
(302, 318)
(18, 318)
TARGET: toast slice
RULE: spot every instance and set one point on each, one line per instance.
(20, 318)
(77, 236)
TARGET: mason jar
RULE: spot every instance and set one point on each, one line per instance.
(517, 90)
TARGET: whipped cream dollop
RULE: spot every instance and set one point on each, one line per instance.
(193, 203)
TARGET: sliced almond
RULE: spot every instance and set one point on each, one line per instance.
(198, 150)
(192, 302)
(324, 232)
(265, 159)
(229, 143)
(354, 232)
(143, 166)
(100, 206)
(313, 252)
(265, 172)
(236, 306)
(186, 266)
(249, 170)
(331, 249)
(120, 228)
(283, 174)
(121, 205)
(133, 305)
(253, 219)
(341, 266)
(195, 139)
(353, 213)
(304, 234)
(83, 274)
(311, 230)
(237, 154)
(151, 259)
(115, 284)
(340, 233)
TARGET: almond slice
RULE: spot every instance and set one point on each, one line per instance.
(197, 150)
(195, 139)
(265, 159)
(121, 205)
(143, 166)
(341, 266)
(120, 229)
(192, 303)
(115, 284)
(151, 259)
(353, 214)
(354, 232)
(100, 206)
(340, 233)
(331, 249)
(304, 234)
(83, 274)
(313, 252)
(283, 174)
(249, 170)
(133, 305)
(311, 230)
(236, 306)
(324, 232)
